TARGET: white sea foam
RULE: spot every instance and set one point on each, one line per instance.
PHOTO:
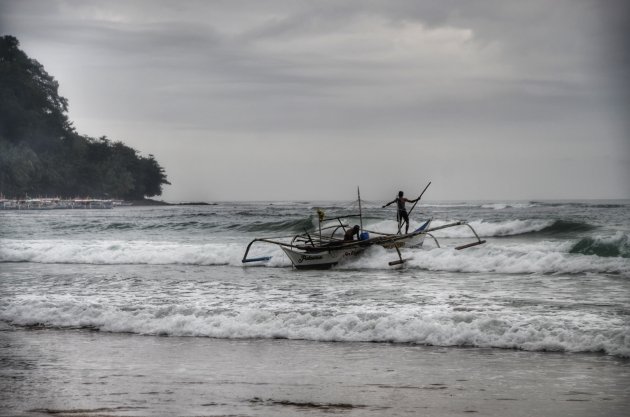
(503, 206)
(548, 332)
(541, 258)
(496, 259)
(119, 252)
(614, 245)
(547, 257)
(494, 229)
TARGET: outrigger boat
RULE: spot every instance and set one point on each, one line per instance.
(323, 248)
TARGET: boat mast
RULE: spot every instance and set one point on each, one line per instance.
(320, 219)
(360, 213)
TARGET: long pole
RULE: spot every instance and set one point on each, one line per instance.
(418, 199)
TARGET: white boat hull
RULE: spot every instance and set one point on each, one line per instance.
(322, 259)
(326, 258)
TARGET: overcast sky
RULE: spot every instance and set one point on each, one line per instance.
(305, 100)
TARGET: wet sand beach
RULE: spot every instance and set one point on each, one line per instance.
(91, 373)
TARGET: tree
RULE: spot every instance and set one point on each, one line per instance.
(42, 154)
(30, 105)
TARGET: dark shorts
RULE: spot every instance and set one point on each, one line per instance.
(403, 216)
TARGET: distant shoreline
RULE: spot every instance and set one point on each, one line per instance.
(151, 202)
(46, 203)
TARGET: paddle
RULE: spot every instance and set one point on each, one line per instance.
(414, 204)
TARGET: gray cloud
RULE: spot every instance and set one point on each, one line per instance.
(269, 95)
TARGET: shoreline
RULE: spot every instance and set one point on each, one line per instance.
(89, 203)
(82, 372)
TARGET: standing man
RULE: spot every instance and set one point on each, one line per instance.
(402, 215)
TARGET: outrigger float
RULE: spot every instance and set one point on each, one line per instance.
(323, 248)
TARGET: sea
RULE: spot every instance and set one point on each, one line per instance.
(150, 311)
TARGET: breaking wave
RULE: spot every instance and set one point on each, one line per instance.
(515, 228)
(614, 246)
(547, 332)
(499, 229)
(119, 252)
(542, 258)
(522, 258)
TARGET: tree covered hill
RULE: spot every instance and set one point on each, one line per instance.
(41, 154)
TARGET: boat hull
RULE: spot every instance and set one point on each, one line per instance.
(329, 257)
(323, 259)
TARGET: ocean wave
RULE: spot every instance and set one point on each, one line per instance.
(450, 205)
(568, 226)
(583, 204)
(294, 225)
(182, 225)
(272, 212)
(119, 252)
(503, 206)
(518, 258)
(547, 332)
(104, 226)
(483, 228)
(195, 223)
(612, 246)
(515, 227)
(497, 229)
(187, 214)
(500, 260)
(539, 258)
